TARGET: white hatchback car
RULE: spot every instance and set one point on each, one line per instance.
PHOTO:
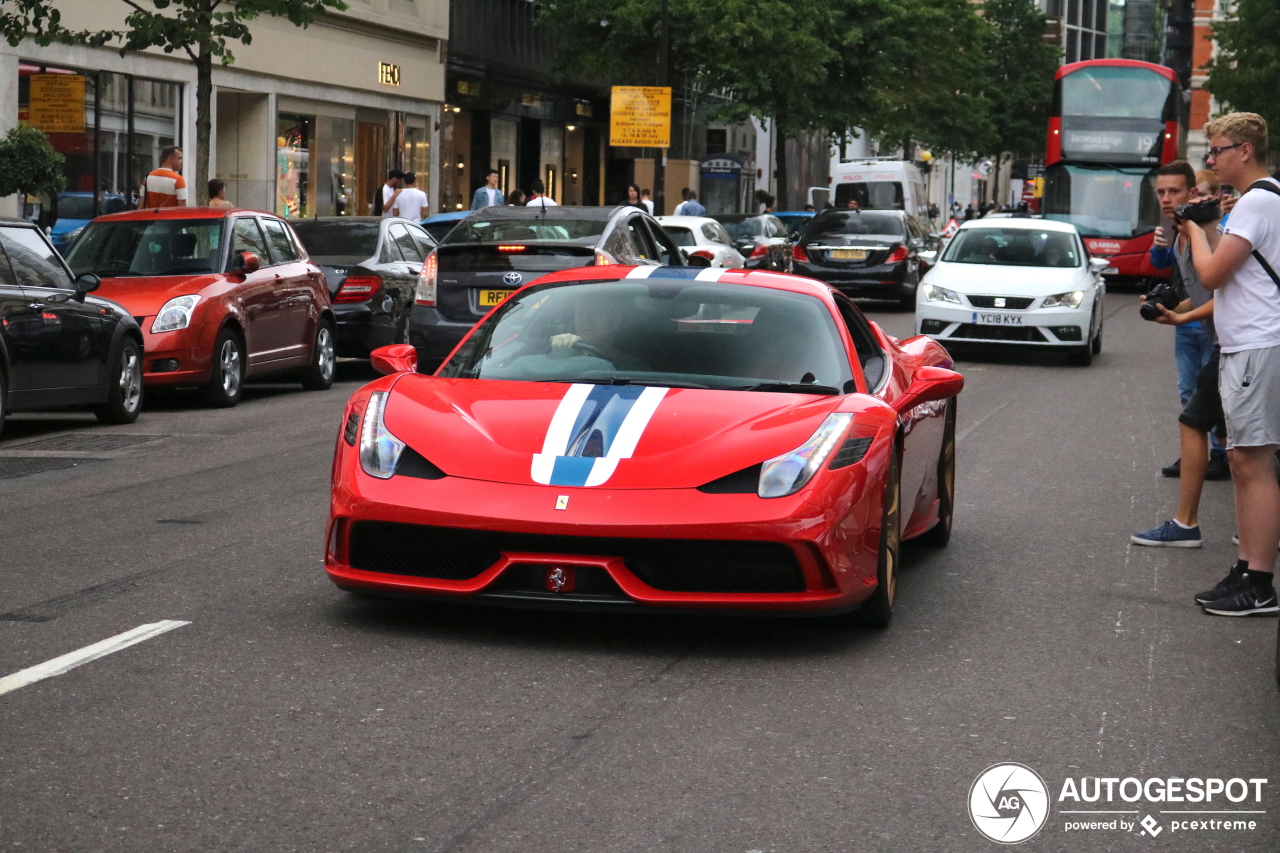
(705, 238)
(1028, 282)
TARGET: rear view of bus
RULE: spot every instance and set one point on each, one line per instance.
(1114, 122)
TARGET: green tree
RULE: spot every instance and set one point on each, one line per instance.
(202, 29)
(1246, 72)
(30, 165)
(1019, 85)
(803, 64)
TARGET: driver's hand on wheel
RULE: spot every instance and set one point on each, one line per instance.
(564, 341)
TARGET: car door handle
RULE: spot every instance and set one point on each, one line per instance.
(35, 306)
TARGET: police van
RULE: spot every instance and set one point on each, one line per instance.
(877, 184)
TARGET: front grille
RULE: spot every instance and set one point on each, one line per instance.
(1066, 333)
(1016, 302)
(932, 327)
(671, 565)
(527, 577)
(1024, 334)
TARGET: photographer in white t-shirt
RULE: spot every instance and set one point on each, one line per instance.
(1242, 273)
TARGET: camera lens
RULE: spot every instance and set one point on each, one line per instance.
(1149, 311)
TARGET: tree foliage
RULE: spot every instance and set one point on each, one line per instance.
(29, 163)
(1245, 75)
(1019, 79)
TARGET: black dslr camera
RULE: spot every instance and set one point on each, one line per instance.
(1199, 212)
(1164, 293)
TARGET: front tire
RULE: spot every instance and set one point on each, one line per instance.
(226, 385)
(940, 534)
(124, 388)
(877, 611)
(319, 376)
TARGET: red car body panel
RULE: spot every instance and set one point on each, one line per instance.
(275, 308)
(1130, 257)
(483, 435)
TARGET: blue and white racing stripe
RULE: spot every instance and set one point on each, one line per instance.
(689, 273)
(593, 427)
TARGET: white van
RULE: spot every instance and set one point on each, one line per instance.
(881, 185)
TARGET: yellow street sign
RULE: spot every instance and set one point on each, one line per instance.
(57, 103)
(1039, 187)
(640, 117)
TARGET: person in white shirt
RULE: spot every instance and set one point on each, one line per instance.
(412, 202)
(647, 201)
(1242, 273)
(538, 198)
(385, 197)
(684, 200)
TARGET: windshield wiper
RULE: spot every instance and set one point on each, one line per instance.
(626, 380)
(791, 388)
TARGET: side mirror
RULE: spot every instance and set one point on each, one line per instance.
(1097, 265)
(930, 384)
(699, 259)
(396, 358)
(246, 262)
(87, 283)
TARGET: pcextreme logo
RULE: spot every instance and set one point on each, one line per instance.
(1009, 803)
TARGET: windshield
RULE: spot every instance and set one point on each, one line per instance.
(682, 236)
(147, 247)
(872, 195)
(741, 228)
(75, 207)
(1107, 202)
(359, 239)
(1114, 92)
(527, 229)
(659, 332)
(854, 223)
(1017, 247)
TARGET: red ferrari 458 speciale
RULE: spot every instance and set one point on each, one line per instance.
(674, 438)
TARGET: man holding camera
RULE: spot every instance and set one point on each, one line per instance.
(1202, 408)
(1241, 271)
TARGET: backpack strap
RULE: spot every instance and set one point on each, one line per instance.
(1269, 186)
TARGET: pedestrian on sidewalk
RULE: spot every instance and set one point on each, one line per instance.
(385, 197)
(647, 201)
(218, 194)
(412, 202)
(165, 186)
(488, 195)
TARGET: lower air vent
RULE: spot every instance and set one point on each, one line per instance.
(850, 452)
(744, 482)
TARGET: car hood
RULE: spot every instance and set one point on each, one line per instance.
(1008, 281)
(622, 437)
(145, 296)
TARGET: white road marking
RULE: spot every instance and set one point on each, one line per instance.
(71, 660)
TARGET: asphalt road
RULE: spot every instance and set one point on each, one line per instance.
(290, 716)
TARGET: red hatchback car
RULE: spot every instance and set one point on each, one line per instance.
(221, 296)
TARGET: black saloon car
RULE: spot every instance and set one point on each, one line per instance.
(60, 347)
(871, 253)
(497, 249)
(371, 266)
(761, 238)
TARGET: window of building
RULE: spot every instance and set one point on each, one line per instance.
(293, 166)
(717, 141)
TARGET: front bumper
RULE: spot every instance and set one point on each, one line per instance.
(1044, 327)
(834, 550)
(191, 349)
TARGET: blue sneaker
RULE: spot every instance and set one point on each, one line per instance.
(1168, 535)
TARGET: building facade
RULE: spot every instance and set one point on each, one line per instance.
(305, 122)
(1079, 27)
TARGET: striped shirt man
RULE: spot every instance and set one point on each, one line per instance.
(165, 187)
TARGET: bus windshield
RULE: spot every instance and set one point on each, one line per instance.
(1102, 202)
(1114, 92)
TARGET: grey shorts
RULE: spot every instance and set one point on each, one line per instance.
(1249, 382)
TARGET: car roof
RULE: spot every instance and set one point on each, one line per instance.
(737, 217)
(13, 220)
(795, 213)
(706, 275)
(686, 220)
(451, 216)
(559, 211)
(1020, 222)
(179, 213)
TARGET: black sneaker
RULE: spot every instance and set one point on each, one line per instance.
(1234, 579)
(1174, 470)
(1218, 468)
(1247, 600)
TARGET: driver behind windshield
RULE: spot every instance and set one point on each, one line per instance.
(600, 324)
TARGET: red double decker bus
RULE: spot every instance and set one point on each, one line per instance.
(1114, 122)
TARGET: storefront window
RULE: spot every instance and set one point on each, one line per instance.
(342, 166)
(502, 142)
(416, 155)
(552, 145)
(293, 166)
(109, 127)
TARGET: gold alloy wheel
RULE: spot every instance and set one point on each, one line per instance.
(893, 530)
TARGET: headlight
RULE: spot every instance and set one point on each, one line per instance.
(787, 474)
(379, 449)
(1064, 300)
(176, 314)
(933, 293)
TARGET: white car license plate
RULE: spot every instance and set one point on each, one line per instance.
(997, 319)
(1111, 271)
